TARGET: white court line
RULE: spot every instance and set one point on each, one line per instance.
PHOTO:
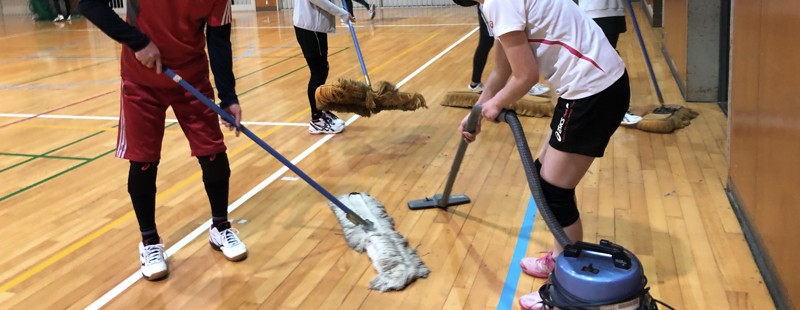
(125, 284)
(115, 118)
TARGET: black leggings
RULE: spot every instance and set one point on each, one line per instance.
(485, 43)
(612, 27)
(350, 5)
(315, 50)
(67, 4)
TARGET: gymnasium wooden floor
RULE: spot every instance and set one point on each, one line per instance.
(70, 234)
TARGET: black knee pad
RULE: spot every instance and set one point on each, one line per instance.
(142, 178)
(562, 203)
(216, 168)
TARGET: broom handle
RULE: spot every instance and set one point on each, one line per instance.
(358, 48)
(472, 122)
(646, 56)
(352, 216)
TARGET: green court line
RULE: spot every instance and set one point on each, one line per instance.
(285, 74)
(64, 72)
(99, 132)
(42, 156)
(19, 191)
(51, 151)
(272, 65)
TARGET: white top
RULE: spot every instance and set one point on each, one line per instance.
(602, 8)
(317, 15)
(572, 52)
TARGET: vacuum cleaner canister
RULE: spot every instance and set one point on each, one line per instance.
(604, 274)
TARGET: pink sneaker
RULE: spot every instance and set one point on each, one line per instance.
(539, 267)
(532, 301)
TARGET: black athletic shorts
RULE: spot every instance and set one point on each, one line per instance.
(584, 126)
(312, 43)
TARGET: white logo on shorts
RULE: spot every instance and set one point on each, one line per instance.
(561, 124)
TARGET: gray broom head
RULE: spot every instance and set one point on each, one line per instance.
(527, 106)
(357, 97)
(397, 264)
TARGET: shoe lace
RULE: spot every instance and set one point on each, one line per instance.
(230, 237)
(153, 254)
(329, 117)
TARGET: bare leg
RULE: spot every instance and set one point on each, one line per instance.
(564, 170)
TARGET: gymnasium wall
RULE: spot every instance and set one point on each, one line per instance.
(14, 8)
(692, 41)
(764, 137)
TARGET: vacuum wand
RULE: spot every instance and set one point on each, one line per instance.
(352, 216)
(534, 179)
(445, 200)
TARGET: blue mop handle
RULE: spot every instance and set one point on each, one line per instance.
(358, 48)
(644, 51)
(352, 216)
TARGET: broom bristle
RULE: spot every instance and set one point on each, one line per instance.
(357, 97)
(534, 106)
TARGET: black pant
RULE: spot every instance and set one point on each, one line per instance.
(485, 43)
(315, 50)
(57, 6)
(612, 27)
(350, 5)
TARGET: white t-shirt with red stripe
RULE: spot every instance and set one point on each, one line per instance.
(572, 52)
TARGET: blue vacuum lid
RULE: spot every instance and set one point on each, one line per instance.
(598, 274)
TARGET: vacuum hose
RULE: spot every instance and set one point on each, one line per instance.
(534, 179)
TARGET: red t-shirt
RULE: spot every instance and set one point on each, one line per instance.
(177, 28)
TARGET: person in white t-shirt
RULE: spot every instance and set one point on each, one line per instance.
(556, 39)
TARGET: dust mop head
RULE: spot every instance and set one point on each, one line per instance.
(357, 97)
(527, 106)
(397, 264)
(345, 96)
(678, 117)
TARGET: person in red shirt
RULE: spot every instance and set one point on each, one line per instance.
(173, 34)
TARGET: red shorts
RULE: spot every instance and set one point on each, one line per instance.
(142, 114)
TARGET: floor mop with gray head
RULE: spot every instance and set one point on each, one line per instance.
(366, 225)
(397, 264)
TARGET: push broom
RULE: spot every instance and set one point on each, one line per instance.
(396, 263)
(663, 119)
(359, 97)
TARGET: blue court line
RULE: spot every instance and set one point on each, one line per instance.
(514, 270)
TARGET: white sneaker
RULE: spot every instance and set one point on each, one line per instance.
(228, 242)
(335, 121)
(371, 11)
(475, 89)
(69, 17)
(328, 123)
(59, 18)
(154, 266)
(538, 90)
(630, 119)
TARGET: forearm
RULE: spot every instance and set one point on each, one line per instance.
(102, 16)
(220, 56)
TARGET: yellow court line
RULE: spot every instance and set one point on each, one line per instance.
(180, 184)
(27, 274)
